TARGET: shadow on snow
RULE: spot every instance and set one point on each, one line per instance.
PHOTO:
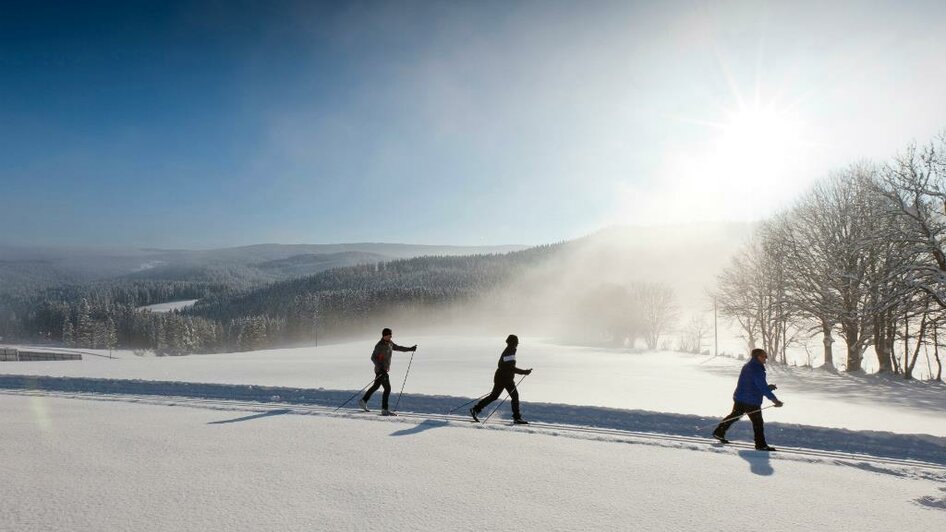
(758, 462)
(278, 412)
(921, 447)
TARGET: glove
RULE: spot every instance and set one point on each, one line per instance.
(773, 387)
(529, 371)
(414, 347)
(778, 404)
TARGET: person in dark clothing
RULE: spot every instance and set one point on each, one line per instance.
(505, 379)
(747, 399)
(381, 356)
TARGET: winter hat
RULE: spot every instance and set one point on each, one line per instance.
(385, 332)
(512, 339)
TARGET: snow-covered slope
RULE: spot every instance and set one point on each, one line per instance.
(170, 306)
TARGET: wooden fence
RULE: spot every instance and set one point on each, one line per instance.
(16, 355)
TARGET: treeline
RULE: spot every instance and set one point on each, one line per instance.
(624, 314)
(861, 256)
(335, 302)
(105, 314)
(352, 299)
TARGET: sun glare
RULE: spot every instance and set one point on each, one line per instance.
(751, 159)
(754, 138)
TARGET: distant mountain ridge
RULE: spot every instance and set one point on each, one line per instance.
(39, 267)
(269, 295)
(544, 283)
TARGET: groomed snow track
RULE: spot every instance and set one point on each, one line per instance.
(917, 452)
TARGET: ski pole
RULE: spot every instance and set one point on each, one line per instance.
(356, 393)
(466, 403)
(405, 380)
(515, 387)
(735, 417)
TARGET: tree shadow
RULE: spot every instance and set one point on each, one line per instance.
(759, 462)
(421, 427)
(254, 416)
(860, 388)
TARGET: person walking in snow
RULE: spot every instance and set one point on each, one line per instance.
(381, 356)
(747, 399)
(505, 379)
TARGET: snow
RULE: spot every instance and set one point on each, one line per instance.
(114, 465)
(463, 366)
(251, 441)
(170, 305)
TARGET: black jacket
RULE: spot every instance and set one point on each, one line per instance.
(507, 369)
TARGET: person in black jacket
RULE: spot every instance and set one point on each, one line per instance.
(505, 379)
(381, 356)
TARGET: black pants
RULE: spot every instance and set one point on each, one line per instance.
(755, 416)
(380, 379)
(500, 384)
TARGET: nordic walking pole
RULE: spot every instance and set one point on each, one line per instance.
(466, 403)
(504, 399)
(734, 417)
(405, 380)
(356, 394)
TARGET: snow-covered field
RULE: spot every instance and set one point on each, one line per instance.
(136, 443)
(463, 366)
(169, 306)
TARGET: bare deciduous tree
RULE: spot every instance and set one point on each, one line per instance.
(736, 296)
(658, 310)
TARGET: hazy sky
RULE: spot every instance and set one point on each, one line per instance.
(196, 124)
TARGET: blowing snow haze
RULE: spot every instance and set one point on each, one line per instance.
(582, 290)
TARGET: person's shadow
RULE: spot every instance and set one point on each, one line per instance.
(421, 427)
(758, 462)
(254, 416)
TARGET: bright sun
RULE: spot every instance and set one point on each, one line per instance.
(749, 160)
(755, 137)
(755, 150)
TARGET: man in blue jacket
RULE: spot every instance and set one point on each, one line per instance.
(747, 399)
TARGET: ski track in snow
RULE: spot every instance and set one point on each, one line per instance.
(881, 452)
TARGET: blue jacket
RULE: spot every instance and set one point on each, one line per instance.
(752, 384)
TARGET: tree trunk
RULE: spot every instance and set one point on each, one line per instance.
(891, 337)
(939, 363)
(906, 346)
(880, 345)
(855, 352)
(908, 371)
(828, 340)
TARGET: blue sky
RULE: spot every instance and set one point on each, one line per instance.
(206, 124)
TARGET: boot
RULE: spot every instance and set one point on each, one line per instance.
(520, 421)
(387, 412)
(473, 413)
(364, 405)
(719, 437)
